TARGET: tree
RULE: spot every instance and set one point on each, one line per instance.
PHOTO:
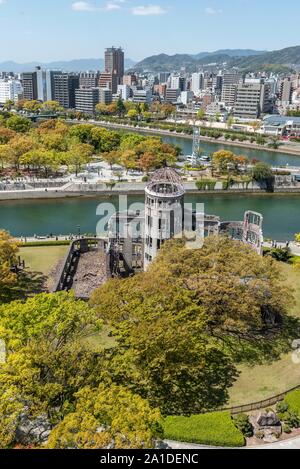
(18, 124)
(108, 416)
(8, 257)
(121, 109)
(5, 155)
(230, 122)
(19, 146)
(129, 160)
(262, 172)
(78, 155)
(46, 363)
(297, 237)
(112, 158)
(6, 135)
(201, 114)
(52, 107)
(222, 159)
(182, 325)
(32, 106)
(82, 132)
(105, 140)
(132, 114)
(148, 162)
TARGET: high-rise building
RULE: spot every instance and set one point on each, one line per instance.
(114, 62)
(65, 85)
(142, 96)
(197, 82)
(30, 87)
(124, 92)
(105, 96)
(130, 80)
(178, 82)
(252, 99)
(110, 81)
(10, 90)
(86, 100)
(286, 91)
(172, 95)
(89, 79)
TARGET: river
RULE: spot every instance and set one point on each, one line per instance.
(27, 217)
(271, 157)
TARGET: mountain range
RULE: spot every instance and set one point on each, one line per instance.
(76, 65)
(245, 60)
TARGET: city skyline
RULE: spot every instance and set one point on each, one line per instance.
(45, 32)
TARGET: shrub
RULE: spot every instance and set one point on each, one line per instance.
(45, 243)
(286, 428)
(145, 179)
(216, 429)
(282, 407)
(292, 399)
(244, 425)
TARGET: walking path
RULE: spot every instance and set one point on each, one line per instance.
(293, 443)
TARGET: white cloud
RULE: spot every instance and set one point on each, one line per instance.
(111, 5)
(213, 11)
(149, 10)
(83, 6)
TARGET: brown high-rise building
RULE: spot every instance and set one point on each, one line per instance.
(114, 62)
(110, 81)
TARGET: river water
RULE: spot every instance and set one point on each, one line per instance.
(270, 157)
(42, 217)
(281, 212)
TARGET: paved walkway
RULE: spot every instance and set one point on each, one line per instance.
(293, 443)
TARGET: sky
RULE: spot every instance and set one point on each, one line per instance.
(50, 30)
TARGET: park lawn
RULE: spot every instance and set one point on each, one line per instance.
(264, 381)
(99, 340)
(42, 259)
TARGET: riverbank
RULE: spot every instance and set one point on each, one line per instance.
(58, 194)
(110, 125)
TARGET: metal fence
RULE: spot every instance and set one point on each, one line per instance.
(260, 404)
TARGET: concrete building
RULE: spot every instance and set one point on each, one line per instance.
(281, 125)
(114, 63)
(286, 92)
(29, 84)
(186, 97)
(197, 83)
(177, 82)
(110, 81)
(142, 96)
(228, 95)
(10, 90)
(65, 85)
(105, 96)
(89, 79)
(86, 100)
(130, 80)
(252, 99)
(172, 95)
(163, 211)
(124, 91)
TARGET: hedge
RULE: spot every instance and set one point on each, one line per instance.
(33, 244)
(215, 429)
(292, 399)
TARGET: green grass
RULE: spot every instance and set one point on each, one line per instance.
(99, 340)
(264, 381)
(216, 429)
(42, 259)
(293, 401)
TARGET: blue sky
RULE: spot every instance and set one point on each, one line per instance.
(46, 30)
